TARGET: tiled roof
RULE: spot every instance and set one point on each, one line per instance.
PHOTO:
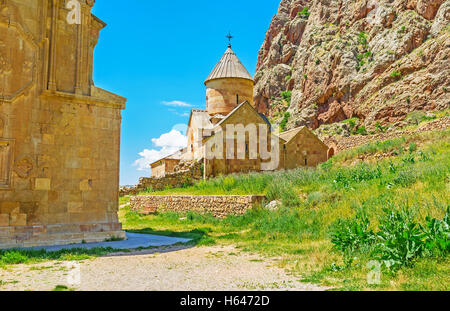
(229, 66)
(174, 156)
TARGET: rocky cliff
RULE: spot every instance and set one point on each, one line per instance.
(324, 61)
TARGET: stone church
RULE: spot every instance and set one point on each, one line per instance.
(59, 133)
(229, 101)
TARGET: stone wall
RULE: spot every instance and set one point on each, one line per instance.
(304, 149)
(345, 143)
(172, 180)
(222, 94)
(217, 205)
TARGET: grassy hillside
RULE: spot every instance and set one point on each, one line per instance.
(385, 201)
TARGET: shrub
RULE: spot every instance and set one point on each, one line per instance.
(304, 13)
(395, 74)
(285, 120)
(350, 236)
(380, 127)
(287, 96)
(362, 59)
(361, 130)
(402, 29)
(352, 123)
(436, 235)
(400, 239)
(362, 38)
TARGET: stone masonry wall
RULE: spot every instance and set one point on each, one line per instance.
(173, 180)
(59, 133)
(345, 143)
(217, 205)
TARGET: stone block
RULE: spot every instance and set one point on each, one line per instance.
(86, 185)
(19, 220)
(9, 207)
(4, 220)
(75, 207)
(48, 139)
(42, 184)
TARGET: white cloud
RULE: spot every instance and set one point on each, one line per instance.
(168, 144)
(176, 103)
(172, 139)
(180, 114)
(182, 128)
(183, 114)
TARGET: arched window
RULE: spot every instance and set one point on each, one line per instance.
(237, 99)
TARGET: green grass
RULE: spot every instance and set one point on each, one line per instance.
(313, 200)
(396, 74)
(14, 256)
(124, 200)
(61, 288)
(415, 177)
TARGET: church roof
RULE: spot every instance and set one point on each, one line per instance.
(262, 116)
(287, 136)
(229, 66)
(174, 156)
(290, 135)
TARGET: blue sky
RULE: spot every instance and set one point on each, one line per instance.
(157, 54)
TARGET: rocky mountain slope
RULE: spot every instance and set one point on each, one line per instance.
(325, 61)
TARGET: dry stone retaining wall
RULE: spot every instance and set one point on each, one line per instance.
(217, 205)
(345, 143)
(173, 180)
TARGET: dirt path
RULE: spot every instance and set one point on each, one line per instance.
(199, 268)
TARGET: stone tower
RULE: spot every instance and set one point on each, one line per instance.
(59, 133)
(228, 85)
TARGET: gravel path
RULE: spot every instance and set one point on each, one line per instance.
(170, 268)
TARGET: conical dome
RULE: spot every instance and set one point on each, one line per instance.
(229, 66)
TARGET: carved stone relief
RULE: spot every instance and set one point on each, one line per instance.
(6, 148)
(16, 73)
(24, 166)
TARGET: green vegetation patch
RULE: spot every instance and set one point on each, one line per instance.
(16, 256)
(335, 219)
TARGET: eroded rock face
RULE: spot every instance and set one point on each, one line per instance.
(374, 59)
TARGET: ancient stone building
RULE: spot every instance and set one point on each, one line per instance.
(229, 108)
(228, 85)
(161, 167)
(59, 133)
